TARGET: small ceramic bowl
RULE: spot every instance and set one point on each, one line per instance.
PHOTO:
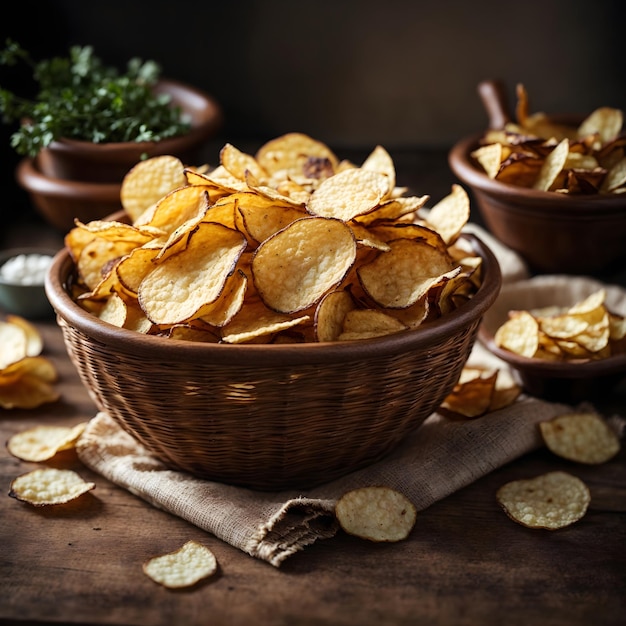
(561, 381)
(554, 233)
(27, 300)
(60, 201)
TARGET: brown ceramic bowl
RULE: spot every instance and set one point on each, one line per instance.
(554, 233)
(574, 381)
(60, 201)
(109, 162)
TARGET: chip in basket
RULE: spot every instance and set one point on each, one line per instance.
(250, 249)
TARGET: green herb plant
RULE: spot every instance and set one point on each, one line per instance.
(79, 97)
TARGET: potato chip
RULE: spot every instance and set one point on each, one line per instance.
(148, 181)
(450, 215)
(583, 437)
(400, 277)
(490, 157)
(605, 122)
(238, 163)
(349, 194)
(185, 283)
(552, 166)
(291, 152)
(184, 567)
(34, 340)
(13, 343)
(519, 334)
(330, 314)
(379, 160)
(49, 486)
(378, 514)
(295, 267)
(368, 323)
(551, 501)
(41, 443)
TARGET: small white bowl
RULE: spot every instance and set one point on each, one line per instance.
(27, 300)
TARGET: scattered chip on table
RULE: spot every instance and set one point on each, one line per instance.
(379, 514)
(551, 501)
(584, 437)
(41, 443)
(183, 568)
(49, 486)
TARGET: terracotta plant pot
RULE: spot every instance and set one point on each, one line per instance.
(108, 162)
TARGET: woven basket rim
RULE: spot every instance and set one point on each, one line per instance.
(266, 354)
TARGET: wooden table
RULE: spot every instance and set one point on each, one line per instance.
(465, 563)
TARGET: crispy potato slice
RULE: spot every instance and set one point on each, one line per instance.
(348, 194)
(295, 267)
(330, 314)
(41, 443)
(49, 486)
(13, 343)
(185, 283)
(184, 567)
(552, 166)
(519, 334)
(378, 514)
(450, 215)
(551, 501)
(583, 437)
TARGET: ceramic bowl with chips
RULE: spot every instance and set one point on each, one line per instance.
(579, 225)
(560, 380)
(22, 276)
(554, 233)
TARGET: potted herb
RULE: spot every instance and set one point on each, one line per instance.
(90, 122)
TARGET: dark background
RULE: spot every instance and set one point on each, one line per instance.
(353, 73)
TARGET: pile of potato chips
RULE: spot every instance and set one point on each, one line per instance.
(288, 245)
(26, 377)
(586, 331)
(538, 153)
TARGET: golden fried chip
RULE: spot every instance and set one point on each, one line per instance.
(552, 166)
(41, 443)
(238, 163)
(400, 277)
(380, 161)
(49, 486)
(34, 340)
(330, 314)
(519, 334)
(291, 152)
(450, 215)
(185, 567)
(184, 283)
(295, 267)
(605, 122)
(584, 437)
(13, 343)
(551, 501)
(472, 396)
(348, 194)
(490, 157)
(148, 181)
(368, 323)
(378, 514)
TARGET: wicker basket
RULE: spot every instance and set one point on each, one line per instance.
(269, 417)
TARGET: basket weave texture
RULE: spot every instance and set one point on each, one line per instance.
(270, 417)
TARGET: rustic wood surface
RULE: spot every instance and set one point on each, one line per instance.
(465, 563)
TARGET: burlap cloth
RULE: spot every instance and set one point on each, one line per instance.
(441, 457)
